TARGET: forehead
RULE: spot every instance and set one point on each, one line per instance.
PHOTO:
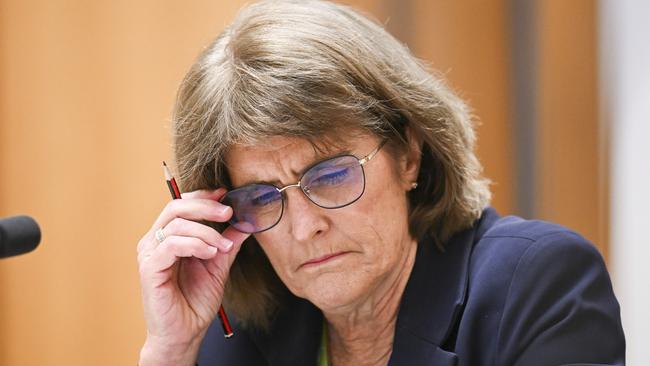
(281, 160)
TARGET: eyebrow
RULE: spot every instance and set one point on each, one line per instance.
(319, 158)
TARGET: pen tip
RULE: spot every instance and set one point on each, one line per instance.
(165, 164)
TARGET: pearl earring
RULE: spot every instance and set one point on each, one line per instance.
(414, 185)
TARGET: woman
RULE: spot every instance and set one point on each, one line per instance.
(311, 128)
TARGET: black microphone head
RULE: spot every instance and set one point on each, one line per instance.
(18, 235)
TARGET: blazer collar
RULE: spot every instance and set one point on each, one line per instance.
(431, 305)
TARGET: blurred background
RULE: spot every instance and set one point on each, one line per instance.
(561, 89)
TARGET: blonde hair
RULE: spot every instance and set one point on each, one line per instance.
(310, 69)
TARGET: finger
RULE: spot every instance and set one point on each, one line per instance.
(175, 247)
(237, 237)
(210, 194)
(183, 227)
(225, 260)
(193, 209)
(147, 243)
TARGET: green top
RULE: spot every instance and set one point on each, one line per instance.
(322, 352)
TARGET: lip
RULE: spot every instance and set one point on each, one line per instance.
(323, 259)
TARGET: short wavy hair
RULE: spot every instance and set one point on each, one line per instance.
(310, 69)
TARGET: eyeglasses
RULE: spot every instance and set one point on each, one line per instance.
(332, 183)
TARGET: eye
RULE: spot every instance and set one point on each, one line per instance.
(265, 199)
(332, 177)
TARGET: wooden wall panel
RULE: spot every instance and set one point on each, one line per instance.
(469, 42)
(85, 94)
(572, 170)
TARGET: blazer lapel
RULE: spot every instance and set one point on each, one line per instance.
(433, 300)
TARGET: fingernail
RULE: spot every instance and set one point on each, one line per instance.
(223, 209)
(213, 250)
(227, 243)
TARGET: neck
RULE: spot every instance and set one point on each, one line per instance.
(363, 335)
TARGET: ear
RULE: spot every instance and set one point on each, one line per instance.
(410, 161)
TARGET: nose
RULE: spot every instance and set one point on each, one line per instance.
(306, 220)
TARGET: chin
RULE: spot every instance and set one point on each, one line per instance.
(332, 291)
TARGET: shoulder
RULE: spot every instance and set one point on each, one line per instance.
(534, 233)
(546, 291)
(516, 260)
(517, 244)
(519, 259)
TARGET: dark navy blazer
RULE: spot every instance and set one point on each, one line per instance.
(507, 291)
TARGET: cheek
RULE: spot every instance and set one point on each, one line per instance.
(377, 224)
(273, 250)
(386, 215)
(385, 205)
(282, 253)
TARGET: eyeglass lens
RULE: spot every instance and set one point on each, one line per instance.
(332, 183)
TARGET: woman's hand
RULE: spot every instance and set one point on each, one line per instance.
(183, 276)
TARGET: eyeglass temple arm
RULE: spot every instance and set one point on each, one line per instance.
(372, 153)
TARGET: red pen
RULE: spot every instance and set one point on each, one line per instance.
(176, 194)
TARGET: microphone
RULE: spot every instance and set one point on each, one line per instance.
(18, 235)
